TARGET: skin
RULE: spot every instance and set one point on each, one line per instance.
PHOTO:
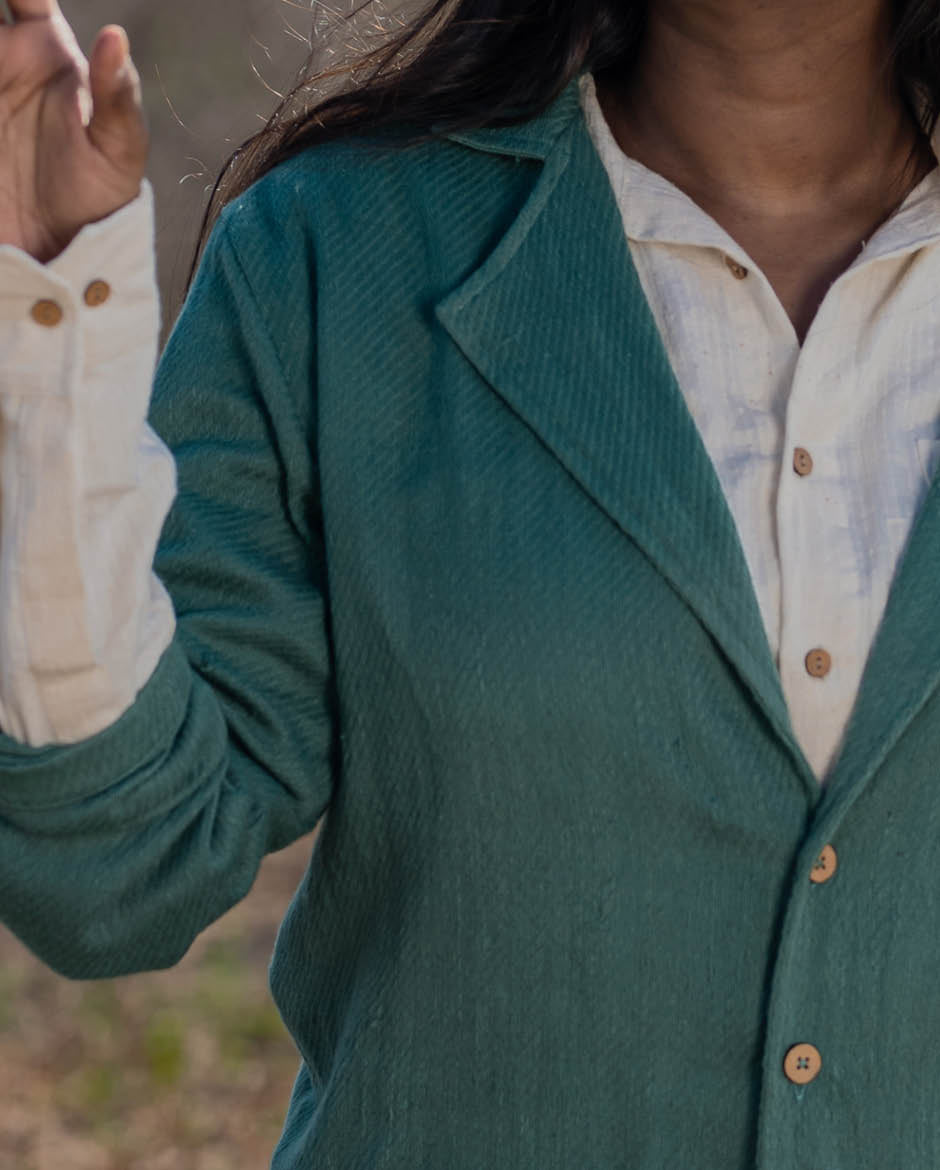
(772, 116)
(73, 137)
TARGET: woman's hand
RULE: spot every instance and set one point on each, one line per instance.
(73, 136)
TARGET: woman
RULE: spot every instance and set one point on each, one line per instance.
(553, 422)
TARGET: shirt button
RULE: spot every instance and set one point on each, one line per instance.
(825, 865)
(46, 313)
(818, 663)
(802, 461)
(97, 293)
(802, 1063)
(736, 269)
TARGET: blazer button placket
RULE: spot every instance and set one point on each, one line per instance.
(802, 1052)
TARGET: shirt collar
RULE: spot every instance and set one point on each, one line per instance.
(655, 209)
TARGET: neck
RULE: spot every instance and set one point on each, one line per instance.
(782, 105)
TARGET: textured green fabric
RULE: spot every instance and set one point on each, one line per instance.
(451, 563)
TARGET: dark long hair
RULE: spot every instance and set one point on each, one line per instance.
(465, 64)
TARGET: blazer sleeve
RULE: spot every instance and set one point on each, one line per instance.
(116, 851)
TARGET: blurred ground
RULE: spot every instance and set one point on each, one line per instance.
(187, 1069)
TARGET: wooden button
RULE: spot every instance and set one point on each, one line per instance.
(97, 293)
(802, 1063)
(818, 663)
(802, 461)
(46, 313)
(825, 865)
(736, 269)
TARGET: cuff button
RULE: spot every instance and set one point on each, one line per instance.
(46, 313)
(97, 293)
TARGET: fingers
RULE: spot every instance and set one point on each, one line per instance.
(109, 52)
(117, 124)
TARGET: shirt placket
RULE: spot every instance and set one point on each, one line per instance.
(818, 609)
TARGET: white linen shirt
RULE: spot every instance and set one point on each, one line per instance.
(85, 484)
(861, 397)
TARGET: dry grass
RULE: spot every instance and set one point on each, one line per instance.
(189, 1069)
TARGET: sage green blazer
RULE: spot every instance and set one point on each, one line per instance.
(452, 567)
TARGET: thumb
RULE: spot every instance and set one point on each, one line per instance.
(116, 127)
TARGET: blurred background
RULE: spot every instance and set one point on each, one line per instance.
(188, 1069)
(211, 74)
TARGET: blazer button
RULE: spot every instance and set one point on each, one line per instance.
(802, 1063)
(46, 313)
(818, 663)
(825, 865)
(97, 293)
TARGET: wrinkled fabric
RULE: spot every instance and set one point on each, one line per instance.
(860, 395)
(455, 576)
(85, 484)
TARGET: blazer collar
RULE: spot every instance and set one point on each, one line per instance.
(556, 321)
(534, 138)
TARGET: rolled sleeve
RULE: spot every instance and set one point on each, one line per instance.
(116, 850)
(85, 483)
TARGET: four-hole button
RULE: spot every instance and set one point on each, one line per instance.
(824, 866)
(802, 1063)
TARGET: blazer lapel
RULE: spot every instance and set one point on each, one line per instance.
(556, 321)
(903, 667)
